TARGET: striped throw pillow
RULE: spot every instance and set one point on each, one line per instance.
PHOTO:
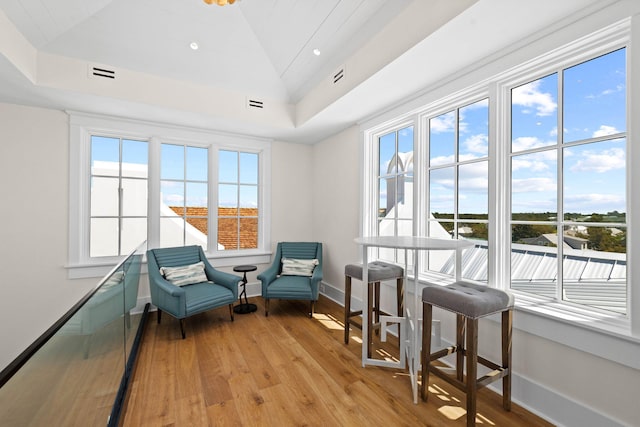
(185, 275)
(298, 267)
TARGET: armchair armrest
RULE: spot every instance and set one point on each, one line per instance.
(168, 287)
(268, 276)
(227, 280)
(316, 278)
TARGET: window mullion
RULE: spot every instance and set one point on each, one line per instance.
(560, 186)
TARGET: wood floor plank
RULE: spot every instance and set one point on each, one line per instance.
(287, 370)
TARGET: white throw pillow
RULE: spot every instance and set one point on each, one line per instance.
(298, 267)
(185, 275)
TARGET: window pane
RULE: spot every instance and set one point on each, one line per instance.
(595, 182)
(442, 139)
(473, 190)
(104, 237)
(197, 164)
(228, 233)
(597, 277)
(595, 97)
(405, 228)
(196, 197)
(228, 198)
(382, 198)
(534, 114)
(104, 196)
(171, 231)
(534, 186)
(248, 196)
(248, 168)
(172, 194)
(534, 265)
(387, 228)
(405, 196)
(474, 131)
(172, 162)
(387, 153)
(248, 233)
(228, 166)
(405, 146)
(135, 155)
(389, 198)
(473, 230)
(441, 192)
(196, 232)
(134, 197)
(105, 156)
(134, 232)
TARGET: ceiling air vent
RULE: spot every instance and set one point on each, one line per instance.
(338, 75)
(254, 103)
(100, 71)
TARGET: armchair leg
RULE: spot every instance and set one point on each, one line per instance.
(266, 307)
(231, 311)
(159, 315)
(313, 306)
(182, 328)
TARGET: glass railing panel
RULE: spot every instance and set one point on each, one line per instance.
(74, 376)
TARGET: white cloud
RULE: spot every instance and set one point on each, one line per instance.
(594, 202)
(539, 163)
(529, 96)
(600, 162)
(605, 130)
(442, 160)
(478, 144)
(443, 123)
(533, 185)
(528, 142)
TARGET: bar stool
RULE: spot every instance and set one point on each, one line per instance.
(470, 302)
(377, 272)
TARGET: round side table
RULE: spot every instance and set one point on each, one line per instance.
(244, 307)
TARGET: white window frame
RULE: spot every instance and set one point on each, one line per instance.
(607, 335)
(83, 125)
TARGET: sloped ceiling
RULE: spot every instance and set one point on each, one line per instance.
(252, 50)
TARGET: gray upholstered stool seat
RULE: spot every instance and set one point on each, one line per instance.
(377, 272)
(468, 299)
(470, 302)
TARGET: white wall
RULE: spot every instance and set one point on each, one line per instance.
(34, 170)
(336, 178)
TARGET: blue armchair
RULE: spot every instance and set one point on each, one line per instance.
(294, 287)
(187, 300)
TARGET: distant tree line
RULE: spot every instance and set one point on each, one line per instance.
(599, 238)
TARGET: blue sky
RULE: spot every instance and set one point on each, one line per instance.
(594, 107)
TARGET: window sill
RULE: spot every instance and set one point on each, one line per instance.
(606, 335)
(100, 268)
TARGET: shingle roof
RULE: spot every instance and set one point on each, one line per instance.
(227, 224)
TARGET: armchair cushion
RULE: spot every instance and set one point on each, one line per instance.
(185, 275)
(298, 267)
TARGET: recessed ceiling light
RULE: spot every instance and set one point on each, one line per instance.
(316, 52)
(194, 45)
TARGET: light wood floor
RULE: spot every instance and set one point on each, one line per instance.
(284, 370)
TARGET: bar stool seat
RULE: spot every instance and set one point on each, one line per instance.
(378, 271)
(470, 302)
